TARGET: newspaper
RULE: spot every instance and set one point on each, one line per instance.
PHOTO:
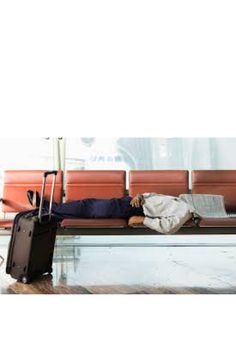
(206, 205)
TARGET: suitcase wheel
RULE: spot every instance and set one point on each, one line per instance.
(25, 280)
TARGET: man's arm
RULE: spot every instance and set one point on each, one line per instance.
(137, 201)
(164, 225)
(136, 220)
(147, 195)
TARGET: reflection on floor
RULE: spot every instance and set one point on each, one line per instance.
(137, 267)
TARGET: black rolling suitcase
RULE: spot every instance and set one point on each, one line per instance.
(31, 247)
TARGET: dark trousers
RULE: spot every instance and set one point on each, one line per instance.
(96, 208)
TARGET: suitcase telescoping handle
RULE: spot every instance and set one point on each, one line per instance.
(45, 175)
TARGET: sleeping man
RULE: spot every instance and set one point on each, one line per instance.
(162, 213)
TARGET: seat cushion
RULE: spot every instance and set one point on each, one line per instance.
(219, 182)
(94, 184)
(17, 182)
(218, 222)
(5, 223)
(94, 223)
(169, 182)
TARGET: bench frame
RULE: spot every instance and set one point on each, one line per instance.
(195, 230)
(135, 231)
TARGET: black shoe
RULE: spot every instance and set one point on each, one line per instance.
(30, 196)
(33, 198)
(37, 201)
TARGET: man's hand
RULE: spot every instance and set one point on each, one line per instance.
(136, 220)
(137, 201)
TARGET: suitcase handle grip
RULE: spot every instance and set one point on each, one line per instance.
(45, 175)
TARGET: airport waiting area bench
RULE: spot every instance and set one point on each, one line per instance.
(81, 184)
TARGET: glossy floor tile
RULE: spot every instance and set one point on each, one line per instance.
(143, 265)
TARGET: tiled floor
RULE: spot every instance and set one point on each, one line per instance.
(134, 265)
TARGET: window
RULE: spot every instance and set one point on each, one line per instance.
(150, 153)
(25, 153)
